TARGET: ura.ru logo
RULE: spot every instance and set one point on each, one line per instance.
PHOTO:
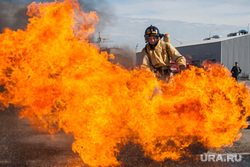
(221, 157)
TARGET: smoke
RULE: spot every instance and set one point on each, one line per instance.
(13, 15)
(123, 56)
(104, 10)
(13, 12)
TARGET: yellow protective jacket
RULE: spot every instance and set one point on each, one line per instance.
(161, 56)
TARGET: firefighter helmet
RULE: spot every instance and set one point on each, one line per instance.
(152, 31)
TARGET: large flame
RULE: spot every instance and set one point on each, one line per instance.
(65, 83)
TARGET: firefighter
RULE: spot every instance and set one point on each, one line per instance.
(157, 55)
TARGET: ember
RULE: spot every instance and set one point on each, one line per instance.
(63, 82)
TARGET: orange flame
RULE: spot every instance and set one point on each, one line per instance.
(64, 82)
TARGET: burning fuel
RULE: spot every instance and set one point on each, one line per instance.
(63, 82)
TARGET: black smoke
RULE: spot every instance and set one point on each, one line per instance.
(13, 12)
(13, 15)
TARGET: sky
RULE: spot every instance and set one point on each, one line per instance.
(123, 22)
(193, 11)
(186, 21)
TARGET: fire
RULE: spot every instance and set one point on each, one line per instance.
(63, 82)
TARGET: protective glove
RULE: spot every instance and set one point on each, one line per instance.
(182, 67)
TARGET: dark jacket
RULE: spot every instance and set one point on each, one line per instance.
(235, 71)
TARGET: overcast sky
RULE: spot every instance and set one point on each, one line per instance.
(232, 12)
(124, 21)
(186, 21)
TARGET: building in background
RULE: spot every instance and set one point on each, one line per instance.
(226, 51)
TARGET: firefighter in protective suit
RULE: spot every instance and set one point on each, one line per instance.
(157, 54)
